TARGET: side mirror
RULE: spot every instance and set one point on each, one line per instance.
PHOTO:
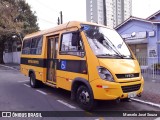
(82, 54)
(75, 38)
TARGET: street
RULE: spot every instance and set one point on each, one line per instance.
(17, 95)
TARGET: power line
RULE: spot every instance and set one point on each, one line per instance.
(46, 6)
(56, 11)
(43, 14)
(47, 21)
(61, 16)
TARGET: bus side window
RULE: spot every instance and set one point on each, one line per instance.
(26, 46)
(33, 46)
(36, 46)
(39, 46)
(71, 44)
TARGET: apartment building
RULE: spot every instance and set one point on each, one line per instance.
(108, 12)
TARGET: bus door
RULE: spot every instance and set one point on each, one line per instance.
(52, 59)
(72, 61)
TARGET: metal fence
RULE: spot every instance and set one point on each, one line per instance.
(150, 68)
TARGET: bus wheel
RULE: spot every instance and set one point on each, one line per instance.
(33, 81)
(84, 98)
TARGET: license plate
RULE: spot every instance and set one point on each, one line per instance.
(132, 94)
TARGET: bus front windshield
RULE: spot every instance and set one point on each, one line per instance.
(106, 42)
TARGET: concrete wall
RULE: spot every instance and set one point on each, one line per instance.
(16, 57)
(13, 57)
(7, 57)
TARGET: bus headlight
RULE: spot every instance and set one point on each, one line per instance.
(105, 74)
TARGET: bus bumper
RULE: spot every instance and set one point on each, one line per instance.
(105, 90)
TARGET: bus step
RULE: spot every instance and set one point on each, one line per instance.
(51, 84)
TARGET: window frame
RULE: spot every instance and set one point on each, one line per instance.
(28, 50)
(68, 52)
(38, 38)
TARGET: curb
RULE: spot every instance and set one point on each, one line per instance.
(145, 102)
(9, 67)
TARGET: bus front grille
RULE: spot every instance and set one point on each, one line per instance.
(130, 75)
(131, 88)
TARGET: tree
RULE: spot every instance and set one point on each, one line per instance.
(16, 18)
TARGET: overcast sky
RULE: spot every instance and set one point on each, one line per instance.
(48, 10)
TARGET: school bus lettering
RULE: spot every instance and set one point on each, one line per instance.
(88, 59)
(33, 61)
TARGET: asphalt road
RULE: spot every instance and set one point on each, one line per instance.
(17, 95)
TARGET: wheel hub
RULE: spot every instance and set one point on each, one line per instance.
(31, 81)
(84, 97)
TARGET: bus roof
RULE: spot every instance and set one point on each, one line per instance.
(59, 27)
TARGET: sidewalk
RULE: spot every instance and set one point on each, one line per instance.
(12, 65)
(151, 92)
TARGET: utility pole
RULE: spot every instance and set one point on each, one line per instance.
(61, 17)
(58, 21)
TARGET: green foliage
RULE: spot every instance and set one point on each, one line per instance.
(16, 18)
(27, 17)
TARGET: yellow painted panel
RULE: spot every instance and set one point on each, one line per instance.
(63, 83)
(39, 71)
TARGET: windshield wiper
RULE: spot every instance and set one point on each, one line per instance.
(119, 55)
(114, 48)
(130, 56)
(108, 55)
(105, 54)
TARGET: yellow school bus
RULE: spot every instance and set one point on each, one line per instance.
(88, 59)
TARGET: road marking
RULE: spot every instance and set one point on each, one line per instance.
(23, 81)
(8, 67)
(153, 80)
(149, 103)
(44, 93)
(27, 85)
(100, 118)
(157, 118)
(68, 105)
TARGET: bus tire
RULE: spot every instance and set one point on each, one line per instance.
(85, 99)
(33, 82)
